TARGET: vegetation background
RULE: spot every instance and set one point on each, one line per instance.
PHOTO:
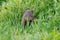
(46, 27)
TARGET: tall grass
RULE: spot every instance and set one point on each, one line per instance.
(46, 26)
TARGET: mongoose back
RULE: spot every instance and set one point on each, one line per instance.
(27, 17)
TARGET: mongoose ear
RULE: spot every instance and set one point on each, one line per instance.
(28, 11)
(32, 11)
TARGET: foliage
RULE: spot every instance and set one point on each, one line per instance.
(46, 26)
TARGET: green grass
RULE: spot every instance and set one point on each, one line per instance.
(46, 26)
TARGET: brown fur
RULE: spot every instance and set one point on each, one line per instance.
(27, 17)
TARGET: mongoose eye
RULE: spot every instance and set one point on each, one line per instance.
(31, 11)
